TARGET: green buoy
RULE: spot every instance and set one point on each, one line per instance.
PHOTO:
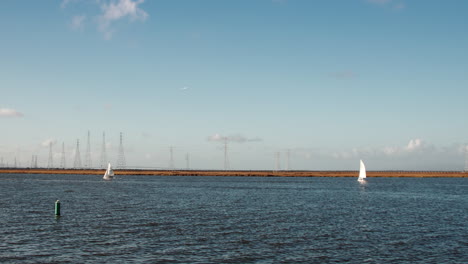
(57, 208)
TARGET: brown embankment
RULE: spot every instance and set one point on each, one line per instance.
(419, 174)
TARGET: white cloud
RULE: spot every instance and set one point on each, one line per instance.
(77, 22)
(123, 8)
(414, 144)
(238, 138)
(47, 142)
(342, 155)
(216, 137)
(390, 150)
(117, 10)
(111, 11)
(6, 112)
(65, 3)
(241, 139)
(463, 148)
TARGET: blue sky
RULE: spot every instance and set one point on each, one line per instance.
(331, 81)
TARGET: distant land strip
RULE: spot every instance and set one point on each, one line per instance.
(245, 173)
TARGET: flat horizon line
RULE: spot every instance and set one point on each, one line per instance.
(250, 173)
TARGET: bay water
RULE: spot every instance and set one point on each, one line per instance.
(175, 219)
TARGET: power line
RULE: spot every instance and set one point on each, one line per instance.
(187, 161)
(33, 161)
(50, 161)
(62, 159)
(277, 161)
(103, 151)
(121, 157)
(88, 162)
(466, 158)
(171, 157)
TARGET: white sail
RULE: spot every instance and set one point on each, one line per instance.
(109, 174)
(362, 171)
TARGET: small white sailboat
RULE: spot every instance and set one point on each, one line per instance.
(109, 175)
(362, 172)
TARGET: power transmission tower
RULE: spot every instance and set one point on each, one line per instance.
(50, 161)
(121, 158)
(1, 162)
(15, 165)
(103, 151)
(87, 163)
(466, 158)
(187, 161)
(171, 157)
(32, 162)
(226, 158)
(35, 161)
(277, 161)
(77, 162)
(62, 159)
(288, 159)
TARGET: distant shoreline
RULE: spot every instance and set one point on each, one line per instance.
(242, 173)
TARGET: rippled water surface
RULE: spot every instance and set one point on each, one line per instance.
(149, 219)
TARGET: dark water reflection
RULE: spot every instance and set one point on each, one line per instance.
(144, 219)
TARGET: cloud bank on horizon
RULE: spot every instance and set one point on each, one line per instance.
(415, 147)
(237, 138)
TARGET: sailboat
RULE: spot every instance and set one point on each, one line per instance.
(362, 172)
(109, 175)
